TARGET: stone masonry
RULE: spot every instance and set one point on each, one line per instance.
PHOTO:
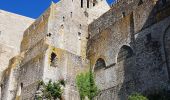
(127, 45)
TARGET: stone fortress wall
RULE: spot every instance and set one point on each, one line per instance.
(129, 48)
(60, 32)
(127, 45)
(12, 27)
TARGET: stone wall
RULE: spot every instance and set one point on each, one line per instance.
(34, 46)
(12, 27)
(69, 28)
(146, 70)
(132, 39)
(67, 66)
(30, 75)
(10, 77)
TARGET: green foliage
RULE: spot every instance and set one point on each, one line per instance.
(93, 87)
(51, 90)
(137, 96)
(86, 85)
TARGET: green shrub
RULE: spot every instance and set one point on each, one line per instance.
(86, 85)
(137, 96)
(50, 90)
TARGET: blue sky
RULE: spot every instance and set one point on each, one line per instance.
(29, 8)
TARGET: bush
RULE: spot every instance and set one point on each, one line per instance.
(86, 85)
(137, 96)
(51, 90)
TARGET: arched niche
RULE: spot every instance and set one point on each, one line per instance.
(100, 72)
(100, 63)
(125, 52)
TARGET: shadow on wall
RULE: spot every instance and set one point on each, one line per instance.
(145, 68)
(126, 62)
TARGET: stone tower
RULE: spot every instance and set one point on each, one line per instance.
(53, 48)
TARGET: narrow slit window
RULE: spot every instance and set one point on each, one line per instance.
(63, 18)
(71, 14)
(123, 14)
(80, 26)
(87, 3)
(21, 86)
(79, 35)
(94, 4)
(81, 3)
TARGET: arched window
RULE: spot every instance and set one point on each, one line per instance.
(124, 53)
(100, 63)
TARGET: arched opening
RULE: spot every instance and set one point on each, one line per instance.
(100, 63)
(125, 71)
(100, 72)
(53, 59)
(124, 53)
